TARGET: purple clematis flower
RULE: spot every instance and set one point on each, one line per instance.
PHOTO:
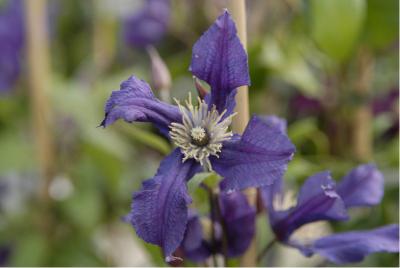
(239, 222)
(149, 25)
(201, 132)
(320, 199)
(11, 42)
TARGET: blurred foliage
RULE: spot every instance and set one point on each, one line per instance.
(306, 48)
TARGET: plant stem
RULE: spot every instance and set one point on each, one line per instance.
(39, 78)
(265, 250)
(213, 218)
(224, 229)
(237, 8)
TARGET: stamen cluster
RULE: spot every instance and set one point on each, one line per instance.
(202, 131)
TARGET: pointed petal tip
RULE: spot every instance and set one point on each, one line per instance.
(171, 258)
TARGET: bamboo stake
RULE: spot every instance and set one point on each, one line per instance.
(104, 45)
(38, 78)
(362, 134)
(237, 8)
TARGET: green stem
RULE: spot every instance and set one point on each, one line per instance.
(265, 250)
(212, 214)
(224, 228)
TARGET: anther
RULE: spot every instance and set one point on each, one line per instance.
(199, 136)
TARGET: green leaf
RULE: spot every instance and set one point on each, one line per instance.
(289, 64)
(146, 137)
(382, 25)
(336, 25)
(208, 178)
(306, 130)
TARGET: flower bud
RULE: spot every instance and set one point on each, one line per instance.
(200, 88)
(160, 75)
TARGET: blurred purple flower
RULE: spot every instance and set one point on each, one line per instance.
(388, 103)
(239, 220)
(301, 105)
(148, 25)
(159, 211)
(5, 253)
(320, 199)
(11, 43)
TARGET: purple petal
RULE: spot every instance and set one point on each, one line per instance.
(362, 186)
(159, 211)
(12, 24)
(135, 102)
(193, 245)
(239, 219)
(11, 42)
(317, 200)
(219, 59)
(275, 121)
(257, 159)
(149, 25)
(350, 247)
(270, 193)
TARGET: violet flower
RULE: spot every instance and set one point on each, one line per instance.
(11, 43)
(320, 199)
(147, 26)
(238, 218)
(257, 158)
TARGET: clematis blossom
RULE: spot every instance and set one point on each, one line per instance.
(238, 218)
(201, 132)
(321, 199)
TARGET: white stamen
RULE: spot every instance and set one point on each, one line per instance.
(202, 131)
(198, 133)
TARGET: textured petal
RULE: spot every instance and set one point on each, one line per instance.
(269, 194)
(239, 218)
(350, 247)
(219, 59)
(316, 201)
(135, 102)
(193, 245)
(275, 121)
(362, 186)
(258, 158)
(148, 25)
(159, 210)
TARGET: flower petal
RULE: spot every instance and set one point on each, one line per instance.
(258, 158)
(219, 59)
(362, 186)
(194, 245)
(275, 121)
(350, 247)
(159, 211)
(239, 218)
(317, 200)
(135, 102)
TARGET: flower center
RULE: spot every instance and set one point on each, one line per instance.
(202, 131)
(199, 136)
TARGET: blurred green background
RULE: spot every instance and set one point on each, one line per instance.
(329, 67)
